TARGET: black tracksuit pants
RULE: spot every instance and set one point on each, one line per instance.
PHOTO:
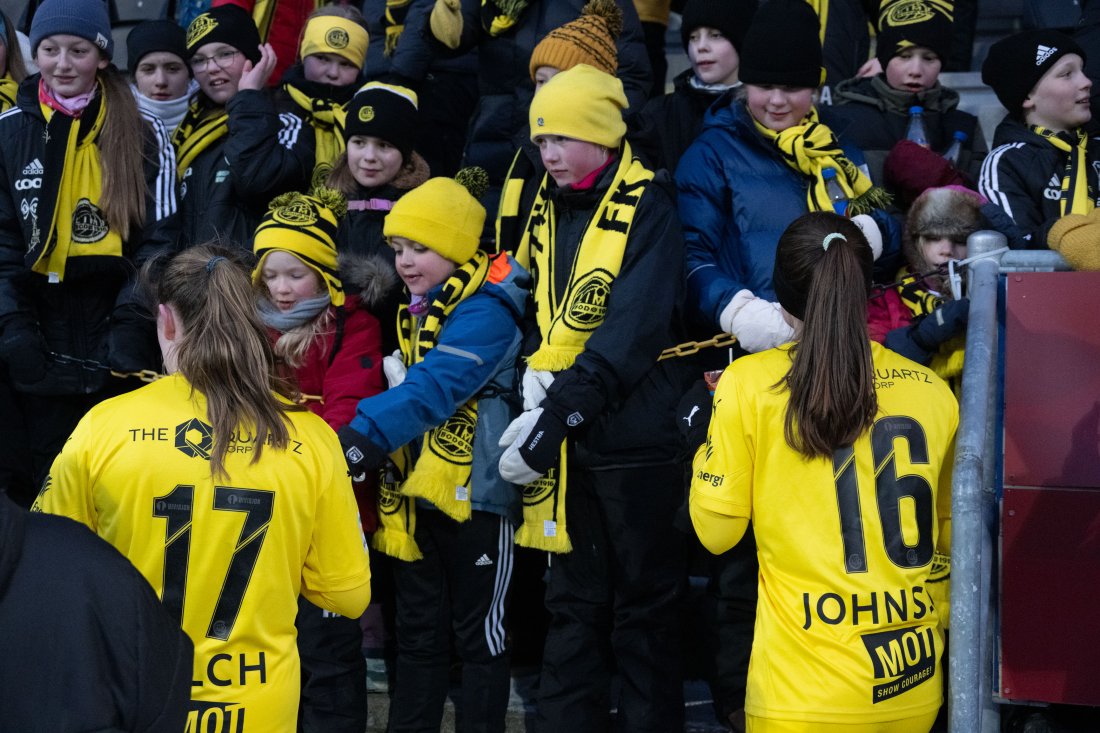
(459, 588)
(614, 602)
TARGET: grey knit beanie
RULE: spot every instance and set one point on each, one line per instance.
(85, 19)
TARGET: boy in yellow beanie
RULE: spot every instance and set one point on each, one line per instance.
(594, 446)
(446, 514)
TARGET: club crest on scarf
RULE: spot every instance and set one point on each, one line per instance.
(89, 224)
(588, 304)
(453, 441)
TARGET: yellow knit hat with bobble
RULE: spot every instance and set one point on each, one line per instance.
(443, 214)
(582, 103)
(590, 39)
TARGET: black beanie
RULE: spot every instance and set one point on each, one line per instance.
(1016, 64)
(906, 23)
(228, 24)
(782, 46)
(732, 17)
(385, 111)
(152, 36)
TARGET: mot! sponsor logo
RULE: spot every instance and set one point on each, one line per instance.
(901, 659)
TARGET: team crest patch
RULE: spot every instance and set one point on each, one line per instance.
(389, 498)
(366, 114)
(588, 303)
(337, 38)
(199, 27)
(453, 441)
(195, 438)
(101, 41)
(908, 13)
(320, 174)
(89, 224)
(296, 213)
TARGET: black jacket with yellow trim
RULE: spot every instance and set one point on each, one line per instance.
(268, 150)
(94, 313)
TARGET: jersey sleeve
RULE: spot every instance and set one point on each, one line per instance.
(721, 484)
(337, 556)
(67, 489)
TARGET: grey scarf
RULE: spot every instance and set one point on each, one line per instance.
(302, 312)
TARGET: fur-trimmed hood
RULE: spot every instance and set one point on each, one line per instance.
(951, 213)
(374, 277)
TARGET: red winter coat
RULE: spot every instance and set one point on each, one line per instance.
(340, 368)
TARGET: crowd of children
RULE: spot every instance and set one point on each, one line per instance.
(366, 346)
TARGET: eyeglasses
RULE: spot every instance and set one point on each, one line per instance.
(221, 58)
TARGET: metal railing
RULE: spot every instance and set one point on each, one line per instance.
(973, 499)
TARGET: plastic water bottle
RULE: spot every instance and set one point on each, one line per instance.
(835, 191)
(952, 154)
(916, 132)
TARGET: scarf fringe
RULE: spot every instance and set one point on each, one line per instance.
(396, 544)
(529, 536)
(552, 358)
(873, 198)
(438, 488)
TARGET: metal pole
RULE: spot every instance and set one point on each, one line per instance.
(969, 531)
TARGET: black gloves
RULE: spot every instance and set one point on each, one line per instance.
(25, 352)
(693, 415)
(921, 340)
(361, 454)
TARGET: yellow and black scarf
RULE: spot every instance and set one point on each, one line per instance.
(565, 323)
(394, 23)
(71, 167)
(1076, 197)
(510, 222)
(500, 16)
(8, 89)
(439, 471)
(327, 119)
(810, 148)
(200, 128)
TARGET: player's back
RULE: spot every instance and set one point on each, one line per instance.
(845, 546)
(227, 554)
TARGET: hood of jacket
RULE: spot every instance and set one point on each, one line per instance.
(374, 277)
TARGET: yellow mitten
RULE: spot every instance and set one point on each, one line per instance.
(446, 22)
(1077, 238)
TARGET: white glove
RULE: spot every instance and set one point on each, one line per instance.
(393, 367)
(533, 387)
(512, 466)
(757, 323)
(870, 230)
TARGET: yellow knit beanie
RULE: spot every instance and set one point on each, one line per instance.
(305, 226)
(590, 39)
(335, 35)
(443, 214)
(582, 103)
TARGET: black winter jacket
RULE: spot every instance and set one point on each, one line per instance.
(875, 117)
(668, 124)
(268, 150)
(94, 312)
(1023, 177)
(85, 642)
(627, 397)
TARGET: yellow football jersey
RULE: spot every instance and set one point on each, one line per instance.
(846, 631)
(226, 555)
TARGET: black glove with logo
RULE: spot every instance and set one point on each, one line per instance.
(361, 454)
(693, 415)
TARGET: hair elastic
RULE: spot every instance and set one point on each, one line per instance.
(213, 261)
(830, 237)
